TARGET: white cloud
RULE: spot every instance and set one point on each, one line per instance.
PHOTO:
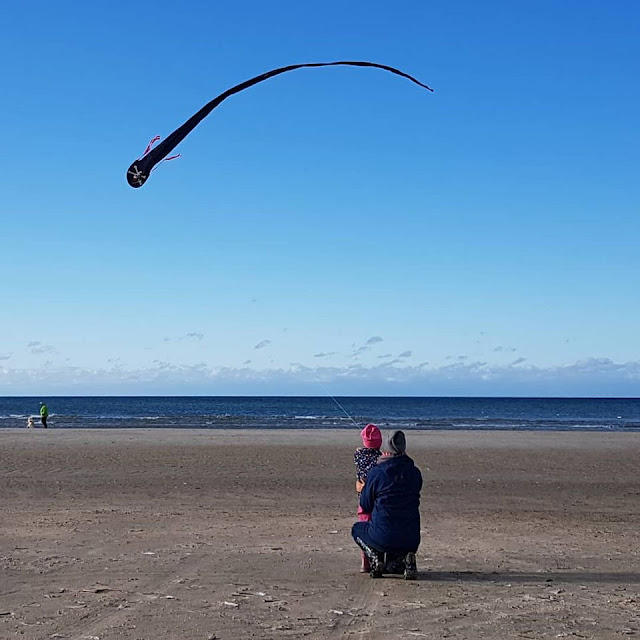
(374, 340)
(262, 344)
(163, 364)
(5, 356)
(589, 377)
(192, 336)
(38, 348)
(405, 354)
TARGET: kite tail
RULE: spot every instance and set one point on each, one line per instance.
(149, 146)
(178, 155)
(139, 171)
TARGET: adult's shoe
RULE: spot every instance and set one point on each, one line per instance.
(410, 567)
(377, 564)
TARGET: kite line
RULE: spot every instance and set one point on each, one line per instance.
(346, 413)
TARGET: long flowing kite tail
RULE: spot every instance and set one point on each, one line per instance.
(140, 169)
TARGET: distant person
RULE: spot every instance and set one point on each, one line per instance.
(44, 414)
(391, 495)
(365, 458)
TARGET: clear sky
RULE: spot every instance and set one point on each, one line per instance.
(330, 230)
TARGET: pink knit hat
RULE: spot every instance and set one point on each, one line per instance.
(371, 437)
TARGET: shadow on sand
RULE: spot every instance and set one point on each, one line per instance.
(516, 577)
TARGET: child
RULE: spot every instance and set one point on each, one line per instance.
(365, 459)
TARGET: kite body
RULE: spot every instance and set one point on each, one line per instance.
(140, 169)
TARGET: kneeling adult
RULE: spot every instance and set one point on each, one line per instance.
(392, 496)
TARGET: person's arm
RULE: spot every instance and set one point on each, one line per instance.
(368, 495)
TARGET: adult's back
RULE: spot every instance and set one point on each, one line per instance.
(392, 496)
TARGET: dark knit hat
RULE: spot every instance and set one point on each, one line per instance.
(396, 443)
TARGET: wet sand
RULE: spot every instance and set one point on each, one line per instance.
(150, 534)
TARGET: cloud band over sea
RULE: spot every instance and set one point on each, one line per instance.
(588, 377)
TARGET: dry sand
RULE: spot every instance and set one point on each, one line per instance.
(154, 534)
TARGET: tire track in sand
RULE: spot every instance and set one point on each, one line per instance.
(84, 629)
(367, 597)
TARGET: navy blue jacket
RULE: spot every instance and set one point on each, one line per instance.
(392, 496)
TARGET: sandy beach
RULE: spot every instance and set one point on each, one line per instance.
(150, 534)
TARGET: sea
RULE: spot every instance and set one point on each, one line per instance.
(326, 412)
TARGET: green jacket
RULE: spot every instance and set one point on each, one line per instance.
(44, 412)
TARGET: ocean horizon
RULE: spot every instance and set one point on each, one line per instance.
(326, 412)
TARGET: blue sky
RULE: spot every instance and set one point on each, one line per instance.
(331, 229)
